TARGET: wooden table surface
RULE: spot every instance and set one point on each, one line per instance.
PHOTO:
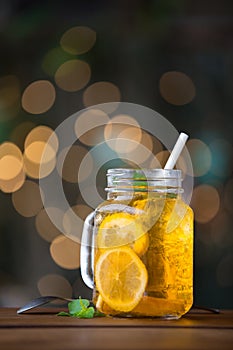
(43, 329)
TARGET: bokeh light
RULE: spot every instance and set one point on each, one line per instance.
(119, 132)
(38, 97)
(9, 97)
(70, 227)
(205, 203)
(102, 92)
(200, 155)
(35, 150)
(92, 200)
(10, 186)
(65, 252)
(89, 126)
(73, 75)
(160, 159)
(177, 88)
(10, 149)
(222, 152)
(145, 153)
(128, 139)
(53, 59)
(54, 284)
(139, 153)
(10, 167)
(181, 165)
(41, 145)
(157, 145)
(42, 133)
(68, 163)
(12, 173)
(20, 132)
(82, 210)
(27, 200)
(224, 271)
(44, 226)
(78, 40)
(39, 159)
(11, 161)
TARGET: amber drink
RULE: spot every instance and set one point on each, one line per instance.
(143, 246)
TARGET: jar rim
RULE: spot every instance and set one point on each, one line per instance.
(131, 173)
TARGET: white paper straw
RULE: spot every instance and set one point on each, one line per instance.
(177, 149)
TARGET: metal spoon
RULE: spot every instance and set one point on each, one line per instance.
(40, 301)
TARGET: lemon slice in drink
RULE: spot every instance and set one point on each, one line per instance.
(121, 278)
(121, 229)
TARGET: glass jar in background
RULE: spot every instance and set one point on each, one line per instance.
(139, 253)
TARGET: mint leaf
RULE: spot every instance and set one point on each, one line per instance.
(80, 308)
(76, 306)
(86, 313)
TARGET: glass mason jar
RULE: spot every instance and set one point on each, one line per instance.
(140, 256)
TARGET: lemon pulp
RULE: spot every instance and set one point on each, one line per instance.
(121, 278)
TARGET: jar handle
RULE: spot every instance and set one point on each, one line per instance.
(87, 251)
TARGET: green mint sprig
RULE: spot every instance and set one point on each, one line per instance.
(80, 308)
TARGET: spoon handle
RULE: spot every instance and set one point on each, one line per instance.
(40, 301)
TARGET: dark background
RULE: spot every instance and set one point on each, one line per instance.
(137, 42)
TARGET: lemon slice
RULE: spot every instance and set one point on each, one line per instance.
(121, 229)
(121, 278)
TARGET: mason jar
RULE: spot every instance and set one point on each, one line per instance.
(138, 255)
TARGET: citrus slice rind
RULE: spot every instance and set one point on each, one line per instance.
(120, 229)
(121, 278)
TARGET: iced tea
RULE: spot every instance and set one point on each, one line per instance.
(159, 231)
